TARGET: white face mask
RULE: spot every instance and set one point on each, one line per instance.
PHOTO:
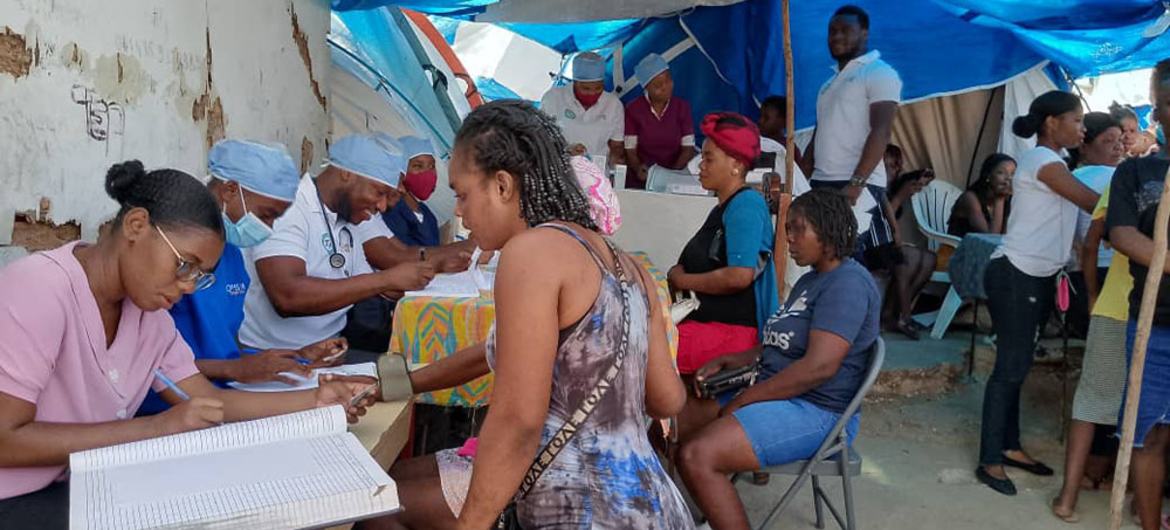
(249, 231)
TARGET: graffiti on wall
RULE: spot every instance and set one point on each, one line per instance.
(103, 119)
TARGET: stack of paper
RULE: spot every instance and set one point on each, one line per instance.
(466, 284)
(299, 470)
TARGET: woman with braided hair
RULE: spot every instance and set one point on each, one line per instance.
(575, 343)
(814, 357)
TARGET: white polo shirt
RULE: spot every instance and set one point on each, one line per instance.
(302, 233)
(843, 116)
(593, 128)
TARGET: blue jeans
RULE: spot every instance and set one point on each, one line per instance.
(786, 431)
(1154, 402)
(1019, 305)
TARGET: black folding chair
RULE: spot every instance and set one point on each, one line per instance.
(834, 458)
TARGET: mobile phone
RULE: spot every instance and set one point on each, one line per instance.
(362, 395)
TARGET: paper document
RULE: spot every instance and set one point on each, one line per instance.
(300, 470)
(308, 383)
(466, 284)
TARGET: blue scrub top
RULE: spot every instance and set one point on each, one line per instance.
(209, 320)
(408, 229)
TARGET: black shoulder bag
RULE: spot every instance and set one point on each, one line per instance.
(508, 520)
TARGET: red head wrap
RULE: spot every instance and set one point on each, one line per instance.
(734, 134)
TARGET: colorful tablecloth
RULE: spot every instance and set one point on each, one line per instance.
(427, 329)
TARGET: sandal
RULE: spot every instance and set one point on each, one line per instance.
(1071, 516)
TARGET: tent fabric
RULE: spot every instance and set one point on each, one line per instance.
(1086, 37)
(378, 88)
(998, 39)
(942, 133)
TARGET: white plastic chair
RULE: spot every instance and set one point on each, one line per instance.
(932, 209)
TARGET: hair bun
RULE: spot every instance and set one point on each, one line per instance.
(122, 177)
(1027, 126)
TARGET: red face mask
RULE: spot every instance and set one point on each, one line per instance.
(587, 100)
(422, 184)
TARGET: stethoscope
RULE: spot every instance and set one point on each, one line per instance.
(336, 259)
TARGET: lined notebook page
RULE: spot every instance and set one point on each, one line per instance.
(314, 422)
(296, 483)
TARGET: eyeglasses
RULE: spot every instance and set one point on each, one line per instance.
(187, 271)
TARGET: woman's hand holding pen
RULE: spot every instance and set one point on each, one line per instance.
(190, 415)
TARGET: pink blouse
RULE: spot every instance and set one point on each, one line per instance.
(53, 353)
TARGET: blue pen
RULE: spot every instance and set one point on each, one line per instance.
(171, 385)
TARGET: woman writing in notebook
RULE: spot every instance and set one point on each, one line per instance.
(86, 334)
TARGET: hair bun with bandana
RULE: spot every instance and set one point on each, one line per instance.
(734, 134)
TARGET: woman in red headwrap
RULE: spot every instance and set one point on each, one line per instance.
(728, 262)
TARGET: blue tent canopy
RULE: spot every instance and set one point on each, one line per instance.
(938, 46)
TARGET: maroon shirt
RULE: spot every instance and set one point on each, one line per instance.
(659, 140)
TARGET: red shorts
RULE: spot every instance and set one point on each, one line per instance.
(699, 342)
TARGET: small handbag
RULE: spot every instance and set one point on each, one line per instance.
(735, 379)
(508, 520)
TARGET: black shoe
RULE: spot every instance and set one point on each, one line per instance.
(1001, 485)
(906, 329)
(1036, 468)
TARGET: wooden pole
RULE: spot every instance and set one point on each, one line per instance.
(780, 247)
(1138, 359)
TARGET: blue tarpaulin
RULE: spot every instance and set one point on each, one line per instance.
(938, 46)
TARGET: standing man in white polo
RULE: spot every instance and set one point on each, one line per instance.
(592, 120)
(855, 116)
(312, 269)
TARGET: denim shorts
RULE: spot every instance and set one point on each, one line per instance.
(786, 431)
(1154, 402)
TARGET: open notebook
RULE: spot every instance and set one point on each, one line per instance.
(300, 470)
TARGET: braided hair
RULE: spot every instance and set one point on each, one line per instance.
(171, 197)
(514, 137)
(831, 217)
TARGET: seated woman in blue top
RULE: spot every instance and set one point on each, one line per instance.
(410, 219)
(728, 262)
(815, 353)
(253, 184)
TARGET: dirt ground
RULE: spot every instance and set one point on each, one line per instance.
(920, 453)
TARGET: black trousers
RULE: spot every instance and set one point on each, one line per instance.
(46, 509)
(1019, 305)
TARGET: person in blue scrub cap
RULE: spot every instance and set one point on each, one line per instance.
(410, 230)
(411, 221)
(254, 183)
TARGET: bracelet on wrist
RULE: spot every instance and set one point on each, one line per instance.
(858, 181)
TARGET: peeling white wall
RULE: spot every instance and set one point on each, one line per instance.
(154, 80)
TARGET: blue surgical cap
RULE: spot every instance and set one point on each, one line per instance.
(374, 156)
(413, 147)
(588, 66)
(265, 169)
(650, 67)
